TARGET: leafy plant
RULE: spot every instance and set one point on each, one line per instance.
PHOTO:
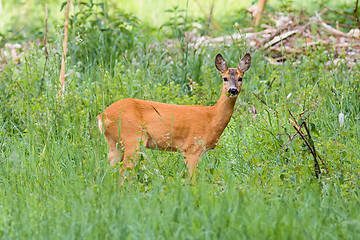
(100, 36)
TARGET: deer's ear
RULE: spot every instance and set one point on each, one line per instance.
(220, 63)
(245, 63)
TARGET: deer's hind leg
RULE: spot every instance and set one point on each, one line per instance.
(131, 151)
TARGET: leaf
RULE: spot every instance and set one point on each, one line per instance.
(85, 3)
(300, 122)
(313, 129)
(102, 5)
(311, 142)
(63, 5)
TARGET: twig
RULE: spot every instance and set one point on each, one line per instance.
(308, 23)
(62, 71)
(355, 12)
(262, 101)
(333, 10)
(340, 25)
(45, 50)
(272, 81)
(211, 14)
(208, 16)
(311, 147)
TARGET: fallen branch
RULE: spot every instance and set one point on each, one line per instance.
(340, 25)
(346, 45)
(279, 38)
(335, 32)
(274, 34)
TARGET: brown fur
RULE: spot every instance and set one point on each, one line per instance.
(190, 129)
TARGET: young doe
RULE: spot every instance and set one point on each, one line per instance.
(190, 129)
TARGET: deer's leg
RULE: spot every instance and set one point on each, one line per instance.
(131, 152)
(130, 155)
(114, 151)
(192, 160)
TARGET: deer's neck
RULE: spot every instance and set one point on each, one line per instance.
(223, 111)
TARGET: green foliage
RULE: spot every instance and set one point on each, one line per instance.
(56, 182)
(100, 36)
(177, 23)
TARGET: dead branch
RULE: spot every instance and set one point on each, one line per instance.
(340, 25)
(62, 71)
(346, 45)
(280, 37)
(333, 31)
(274, 34)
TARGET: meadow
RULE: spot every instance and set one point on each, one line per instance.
(258, 183)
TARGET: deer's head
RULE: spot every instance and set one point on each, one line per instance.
(232, 76)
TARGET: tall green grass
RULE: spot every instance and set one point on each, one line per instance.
(56, 182)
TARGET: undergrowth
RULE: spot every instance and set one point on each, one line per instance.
(258, 183)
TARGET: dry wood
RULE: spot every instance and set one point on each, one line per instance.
(345, 45)
(340, 25)
(333, 31)
(280, 38)
(63, 59)
(275, 33)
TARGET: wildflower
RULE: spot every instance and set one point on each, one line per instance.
(341, 119)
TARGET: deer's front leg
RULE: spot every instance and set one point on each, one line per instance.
(192, 160)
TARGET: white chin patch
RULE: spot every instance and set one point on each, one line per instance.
(232, 96)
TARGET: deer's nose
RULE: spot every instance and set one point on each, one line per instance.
(233, 91)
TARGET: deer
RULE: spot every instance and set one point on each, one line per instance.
(190, 129)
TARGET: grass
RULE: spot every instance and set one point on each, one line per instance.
(56, 182)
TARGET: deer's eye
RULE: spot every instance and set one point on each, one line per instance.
(240, 79)
(225, 79)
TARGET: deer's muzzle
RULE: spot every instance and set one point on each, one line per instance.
(233, 91)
